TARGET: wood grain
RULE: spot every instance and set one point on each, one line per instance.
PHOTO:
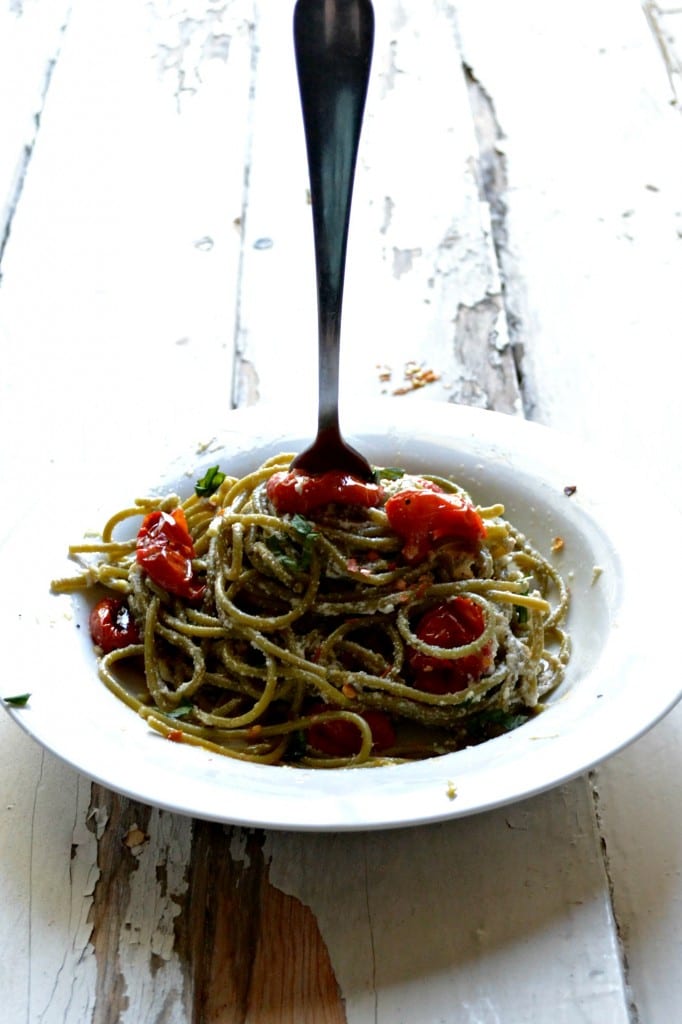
(248, 951)
(116, 862)
(219, 928)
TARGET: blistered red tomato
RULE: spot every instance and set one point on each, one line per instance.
(296, 491)
(422, 517)
(340, 738)
(165, 551)
(112, 626)
(453, 624)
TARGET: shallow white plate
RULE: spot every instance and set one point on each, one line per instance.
(617, 686)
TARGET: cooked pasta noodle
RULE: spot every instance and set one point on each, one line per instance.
(312, 621)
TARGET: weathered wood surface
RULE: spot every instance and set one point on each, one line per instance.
(516, 229)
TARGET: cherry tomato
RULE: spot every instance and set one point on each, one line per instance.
(342, 739)
(296, 491)
(454, 624)
(422, 517)
(165, 551)
(112, 626)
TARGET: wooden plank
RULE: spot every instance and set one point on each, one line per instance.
(422, 285)
(48, 858)
(424, 275)
(498, 918)
(254, 952)
(593, 197)
(30, 39)
(638, 794)
(135, 190)
(594, 269)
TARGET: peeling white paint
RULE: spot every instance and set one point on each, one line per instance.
(431, 956)
(63, 967)
(157, 888)
(239, 847)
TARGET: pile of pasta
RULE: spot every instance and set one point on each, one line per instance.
(309, 621)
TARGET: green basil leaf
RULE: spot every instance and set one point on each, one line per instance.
(388, 473)
(297, 747)
(286, 548)
(209, 482)
(302, 525)
(503, 720)
(275, 543)
(508, 721)
(307, 552)
(521, 614)
(486, 725)
(19, 701)
(181, 711)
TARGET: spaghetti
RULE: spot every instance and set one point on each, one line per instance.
(391, 627)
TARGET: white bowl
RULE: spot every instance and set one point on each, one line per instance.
(617, 686)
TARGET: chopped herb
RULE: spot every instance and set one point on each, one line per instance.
(275, 543)
(494, 722)
(520, 609)
(505, 720)
(388, 473)
(293, 557)
(180, 712)
(302, 525)
(521, 614)
(297, 747)
(209, 483)
(307, 553)
(19, 701)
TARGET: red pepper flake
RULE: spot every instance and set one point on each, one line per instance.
(422, 586)
(174, 735)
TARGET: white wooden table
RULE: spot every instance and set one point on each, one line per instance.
(517, 228)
